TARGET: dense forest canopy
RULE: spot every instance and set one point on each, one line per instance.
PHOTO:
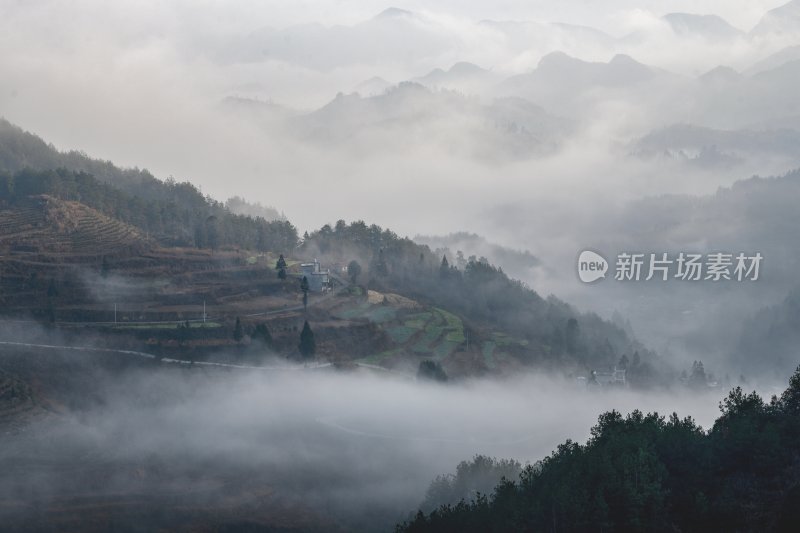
(645, 472)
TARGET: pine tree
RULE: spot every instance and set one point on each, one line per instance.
(697, 378)
(308, 345)
(380, 265)
(444, 268)
(790, 399)
(262, 333)
(280, 266)
(353, 270)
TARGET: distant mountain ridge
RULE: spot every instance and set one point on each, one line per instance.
(707, 26)
(784, 19)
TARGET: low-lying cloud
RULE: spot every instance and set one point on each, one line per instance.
(346, 445)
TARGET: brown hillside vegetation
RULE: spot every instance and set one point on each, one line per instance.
(47, 225)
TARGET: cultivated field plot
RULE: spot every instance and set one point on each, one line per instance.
(416, 332)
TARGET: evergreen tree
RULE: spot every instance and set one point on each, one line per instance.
(642, 472)
(353, 270)
(280, 266)
(261, 333)
(308, 345)
(444, 268)
(698, 379)
(380, 265)
(790, 399)
(304, 286)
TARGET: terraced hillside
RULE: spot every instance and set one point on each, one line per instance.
(64, 230)
(415, 332)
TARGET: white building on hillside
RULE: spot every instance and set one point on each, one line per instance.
(318, 279)
(614, 377)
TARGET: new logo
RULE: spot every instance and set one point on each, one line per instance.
(591, 266)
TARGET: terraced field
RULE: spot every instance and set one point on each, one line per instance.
(493, 348)
(45, 225)
(427, 333)
(414, 331)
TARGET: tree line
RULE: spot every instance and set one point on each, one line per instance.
(645, 472)
(174, 214)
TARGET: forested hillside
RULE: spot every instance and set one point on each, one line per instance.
(554, 334)
(500, 312)
(650, 473)
(173, 213)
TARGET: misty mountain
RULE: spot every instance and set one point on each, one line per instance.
(753, 215)
(721, 75)
(176, 354)
(769, 340)
(783, 20)
(780, 77)
(547, 332)
(571, 86)
(706, 147)
(722, 100)
(711, 27)
(773, 61)
(410, 114)
(558, 68)
(373, 87)
(260, 110)
(392, 35)
(464, 77)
